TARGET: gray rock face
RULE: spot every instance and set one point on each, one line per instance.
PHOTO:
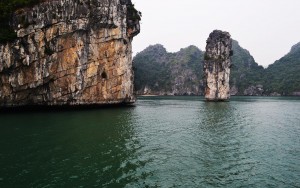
(233, 90)
(254, 90)
(216, 67)
(70, 52)
(296, 93)
(275, 94)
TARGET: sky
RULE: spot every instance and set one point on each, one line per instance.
(267, 28)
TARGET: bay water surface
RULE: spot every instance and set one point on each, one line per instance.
(160, 142)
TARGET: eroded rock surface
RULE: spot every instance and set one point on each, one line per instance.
(70, 52)
(217, 66)
(257, 90)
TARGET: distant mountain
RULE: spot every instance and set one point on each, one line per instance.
(245, 72)
(283, 76)
(159, 72)
(162, 73)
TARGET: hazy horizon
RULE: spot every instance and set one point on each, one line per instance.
(267, 29)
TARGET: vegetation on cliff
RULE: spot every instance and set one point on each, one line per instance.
(7, 7)
(132, 13)
(245, 71)
(283, 76)
(168, 73)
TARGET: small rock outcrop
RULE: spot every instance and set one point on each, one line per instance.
(257, 90)
(70, 52)
(216, 66)
(296, 93)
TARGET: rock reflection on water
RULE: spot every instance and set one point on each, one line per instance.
(161, 142)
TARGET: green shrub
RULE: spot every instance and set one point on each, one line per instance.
(7, 34)
(132, 13)
(7, 7)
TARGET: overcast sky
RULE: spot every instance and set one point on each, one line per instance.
(267, 28)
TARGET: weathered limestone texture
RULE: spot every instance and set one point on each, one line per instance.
(217, 66)
(70, 52)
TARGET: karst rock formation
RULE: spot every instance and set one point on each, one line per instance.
(216, 66)
(70, 52)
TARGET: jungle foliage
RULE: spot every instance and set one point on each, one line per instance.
(7, 7)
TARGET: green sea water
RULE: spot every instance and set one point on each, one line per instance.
(160, 142)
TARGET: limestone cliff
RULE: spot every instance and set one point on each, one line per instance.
(70, 52)
(217, 66)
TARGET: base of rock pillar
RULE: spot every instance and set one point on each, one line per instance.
(217, 100)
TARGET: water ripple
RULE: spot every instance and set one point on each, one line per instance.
(162, 142)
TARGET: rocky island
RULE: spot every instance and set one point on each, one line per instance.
(216, 66)
(69, 52)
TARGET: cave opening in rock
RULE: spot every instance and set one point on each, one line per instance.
(104, 75)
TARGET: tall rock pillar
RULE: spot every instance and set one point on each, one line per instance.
(217, 66)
